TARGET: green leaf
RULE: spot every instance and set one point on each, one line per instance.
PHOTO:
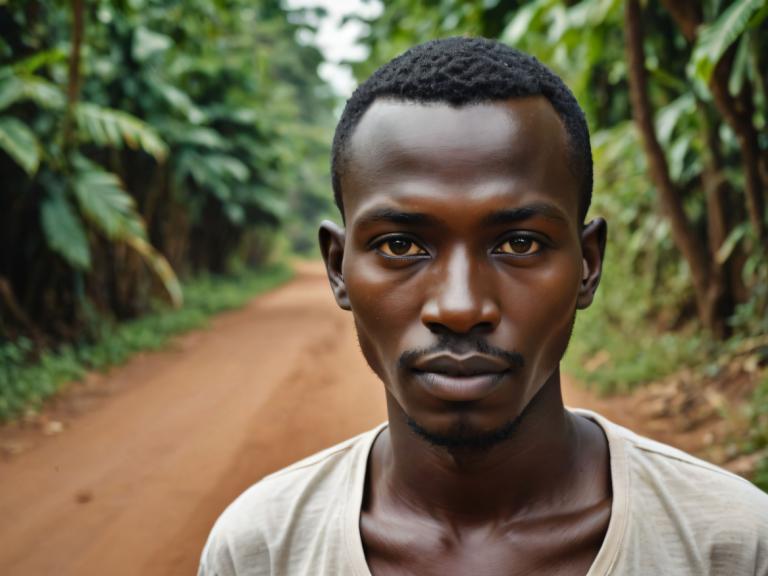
(714, 39)
(15, 88)
(64, 231)
(31, 64)
(20, 143)
(10, 89)
(229, 167)
(524, 19)
(178, 100)
(740, 66)
(265, 199)
(730, 243)
(160, 266)
(114, 128)
(200, 136)
(147, 43)
(111, 210)
(676, 155)
(104, 203)
(669, 116)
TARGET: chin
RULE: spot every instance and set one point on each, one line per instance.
(466, 427)
(464, 434)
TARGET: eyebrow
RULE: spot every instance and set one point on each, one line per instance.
(513, 215)
(393, 216)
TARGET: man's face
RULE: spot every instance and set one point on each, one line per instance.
(462, 258)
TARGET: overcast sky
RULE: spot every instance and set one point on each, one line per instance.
(338, 42)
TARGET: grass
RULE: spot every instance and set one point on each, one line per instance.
(24, 385)
(609, 359)
(757, 437)
(612, 357)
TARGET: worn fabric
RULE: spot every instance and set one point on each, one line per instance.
(671, 514)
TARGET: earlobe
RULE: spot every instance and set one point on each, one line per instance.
(331, 238)
(593, 238)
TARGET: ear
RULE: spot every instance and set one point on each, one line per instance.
(331, 239)
(593, 238)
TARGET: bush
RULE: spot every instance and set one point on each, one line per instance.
(758, 432)
(29, 376)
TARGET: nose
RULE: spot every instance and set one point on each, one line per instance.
(461, 299)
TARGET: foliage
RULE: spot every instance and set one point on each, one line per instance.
(115, 129)
(19, 143)
(758, 432)
(165, 138)
(28, 376)
(718, 36)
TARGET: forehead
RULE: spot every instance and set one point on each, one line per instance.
(517, 148)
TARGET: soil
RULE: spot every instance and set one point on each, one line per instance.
(126, 472)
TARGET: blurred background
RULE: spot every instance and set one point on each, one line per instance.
(162, 162)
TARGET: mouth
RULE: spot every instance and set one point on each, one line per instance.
(464, 378)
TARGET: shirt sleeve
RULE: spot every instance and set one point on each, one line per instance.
(235, 548)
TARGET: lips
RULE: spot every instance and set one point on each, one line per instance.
(457, 366)
(460, 378)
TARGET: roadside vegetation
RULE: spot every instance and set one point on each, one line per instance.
(28, 374)
(146, 146)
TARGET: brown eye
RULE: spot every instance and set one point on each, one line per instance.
(401, 247)
(519, 245)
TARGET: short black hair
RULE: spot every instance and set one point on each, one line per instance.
(461, 71)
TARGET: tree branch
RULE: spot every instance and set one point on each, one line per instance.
(682, 232)
(73, 82)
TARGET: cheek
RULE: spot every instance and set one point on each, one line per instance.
(546, 307)
(383, 307)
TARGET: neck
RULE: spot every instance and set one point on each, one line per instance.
(529, 470)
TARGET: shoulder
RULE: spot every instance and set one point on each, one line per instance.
(684, 488)
(686, 477)
(282, 505)
(683, 515)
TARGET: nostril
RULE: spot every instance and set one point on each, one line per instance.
(479, 328)
(436, 328)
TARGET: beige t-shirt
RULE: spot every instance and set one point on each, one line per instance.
(672, 514)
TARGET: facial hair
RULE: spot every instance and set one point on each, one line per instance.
(462, 436)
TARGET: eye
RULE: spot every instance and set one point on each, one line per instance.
(400, 247)
(519, 246)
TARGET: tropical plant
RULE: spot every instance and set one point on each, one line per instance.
(146, 139)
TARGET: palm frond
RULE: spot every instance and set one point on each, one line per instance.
(715, 38)
(112, 211)
(114, 128)
(104, 202)
(161, 268)
(64, 231)
(20, 143)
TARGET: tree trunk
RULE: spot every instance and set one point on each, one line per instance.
(686, 14)
(737, 111)
(73, 82)
(691, 247)
(725, 281)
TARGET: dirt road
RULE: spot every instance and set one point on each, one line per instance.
(133, 484)
(151, 453)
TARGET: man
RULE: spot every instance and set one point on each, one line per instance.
(463, 173)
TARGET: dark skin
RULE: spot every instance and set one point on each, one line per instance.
(463, 261)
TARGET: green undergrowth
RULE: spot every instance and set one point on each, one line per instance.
(757, 440)
(24, 384)
(609, 359)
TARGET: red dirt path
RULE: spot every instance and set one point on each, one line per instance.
(152, 452)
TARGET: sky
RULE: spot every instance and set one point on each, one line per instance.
(337, 42)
